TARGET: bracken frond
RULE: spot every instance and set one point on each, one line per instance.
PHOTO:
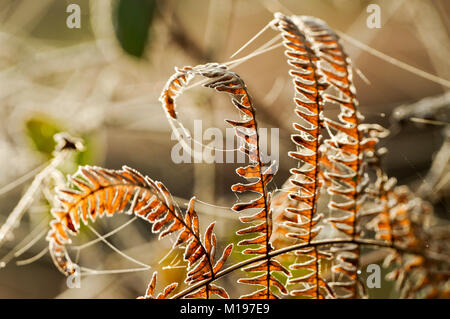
(415, 275)
(256, 173)
(299, 219)
(344, 161)
(95, 192)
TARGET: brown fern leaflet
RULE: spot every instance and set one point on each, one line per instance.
(381, 223)
(151, 289)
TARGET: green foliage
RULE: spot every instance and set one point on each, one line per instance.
(40, 131)
(132, 22)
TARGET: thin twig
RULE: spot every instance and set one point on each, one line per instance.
(27, 199)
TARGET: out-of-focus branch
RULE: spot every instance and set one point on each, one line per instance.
(432, 110)
(437, 182)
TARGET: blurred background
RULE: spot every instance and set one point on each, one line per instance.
(101, 82)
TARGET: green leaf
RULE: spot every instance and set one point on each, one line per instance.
(132, 21)
(40, 130)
